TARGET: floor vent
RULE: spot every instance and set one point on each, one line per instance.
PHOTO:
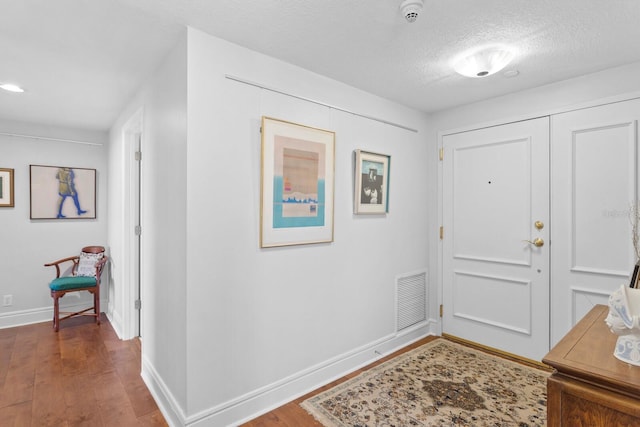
(411, 297)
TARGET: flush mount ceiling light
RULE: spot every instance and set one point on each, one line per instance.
(483, 62)
(9, 87)
(410, 9)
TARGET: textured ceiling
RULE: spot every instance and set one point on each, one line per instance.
(81, 60)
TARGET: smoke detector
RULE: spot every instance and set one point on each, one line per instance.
(410, 9)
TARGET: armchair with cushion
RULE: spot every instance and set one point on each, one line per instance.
(84, 275)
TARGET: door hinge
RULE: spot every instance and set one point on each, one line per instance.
(138, 304)
(441, 154)
(138, 155)
(441, 310)
(441, 232)
(138, 230)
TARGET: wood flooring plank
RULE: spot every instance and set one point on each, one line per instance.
(18, 386)
(154, 419)
(18, 415)
(114, 404)
(84, 375)
(48, 400)
(80, 401)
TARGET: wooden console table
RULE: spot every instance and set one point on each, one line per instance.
(590, 387)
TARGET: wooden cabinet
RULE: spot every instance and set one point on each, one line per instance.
(590, 387)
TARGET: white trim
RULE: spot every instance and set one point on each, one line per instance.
(133, 127)
(269, 397)
(16, 318)
(167, 403)
(313, 101)
(46, 138)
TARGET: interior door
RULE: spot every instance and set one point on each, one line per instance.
(594, 182)
(495, 287)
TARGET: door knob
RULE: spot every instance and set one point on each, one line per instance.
(537, 242)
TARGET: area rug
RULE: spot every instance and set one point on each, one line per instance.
(438, 384)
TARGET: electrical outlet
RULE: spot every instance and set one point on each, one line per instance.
(7, 300)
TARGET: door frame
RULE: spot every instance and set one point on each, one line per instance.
(131, 198)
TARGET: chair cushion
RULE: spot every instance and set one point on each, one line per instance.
(87, 264)
(72, 282)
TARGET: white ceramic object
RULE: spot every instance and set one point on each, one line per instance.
(624, 321)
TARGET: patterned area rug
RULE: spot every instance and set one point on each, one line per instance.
(438, 384)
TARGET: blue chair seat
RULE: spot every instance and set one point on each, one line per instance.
(72, 282)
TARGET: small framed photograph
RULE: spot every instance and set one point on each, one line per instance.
(297, 184)
(62, 192)
(371, 183)
(6, 188)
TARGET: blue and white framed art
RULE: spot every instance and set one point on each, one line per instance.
(297, 184)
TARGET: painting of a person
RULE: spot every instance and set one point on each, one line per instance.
(67, 188)
(371, 188)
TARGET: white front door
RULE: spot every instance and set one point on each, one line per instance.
(495, 202)
(594, 182)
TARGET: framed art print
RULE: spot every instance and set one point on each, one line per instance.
(62, 192)
(297, 184)
(6, 188)
(371, 193)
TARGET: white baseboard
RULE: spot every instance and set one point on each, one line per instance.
(37, 315)
(265, 399)
(116, 321)
(26, 317)
(168, 405)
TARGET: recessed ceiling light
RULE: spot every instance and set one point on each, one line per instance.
(484, 61)
(11, 88)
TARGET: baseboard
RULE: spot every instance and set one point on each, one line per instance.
(26, 317)
(116, 321)
(265, 399)
(168, 405)
(36, 315)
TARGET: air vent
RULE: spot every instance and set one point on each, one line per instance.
(411, 297)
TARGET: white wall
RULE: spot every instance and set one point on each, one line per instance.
(162, 101)
(28, 244)
(266, 324)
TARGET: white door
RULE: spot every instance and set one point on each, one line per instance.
(495, 199)
(594, 182)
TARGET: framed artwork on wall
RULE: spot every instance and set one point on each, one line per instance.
(6, 188)
(62, 192)
(371, 193)
(297, 184)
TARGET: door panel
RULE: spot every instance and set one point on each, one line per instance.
(495, 283)
(594, 182)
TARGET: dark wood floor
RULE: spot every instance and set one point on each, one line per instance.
(292, 414)
(81, 376)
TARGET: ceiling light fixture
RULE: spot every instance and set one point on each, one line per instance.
(483, 62)
(9, 87)
(410, 9)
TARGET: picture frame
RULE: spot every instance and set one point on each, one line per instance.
(371, 177)
(297, 184)
(634, 276)
(62, 192)
(6, 188)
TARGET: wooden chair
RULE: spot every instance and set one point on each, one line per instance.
(85, 273)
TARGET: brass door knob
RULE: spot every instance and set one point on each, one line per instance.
(537, 242)
(539, 225)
